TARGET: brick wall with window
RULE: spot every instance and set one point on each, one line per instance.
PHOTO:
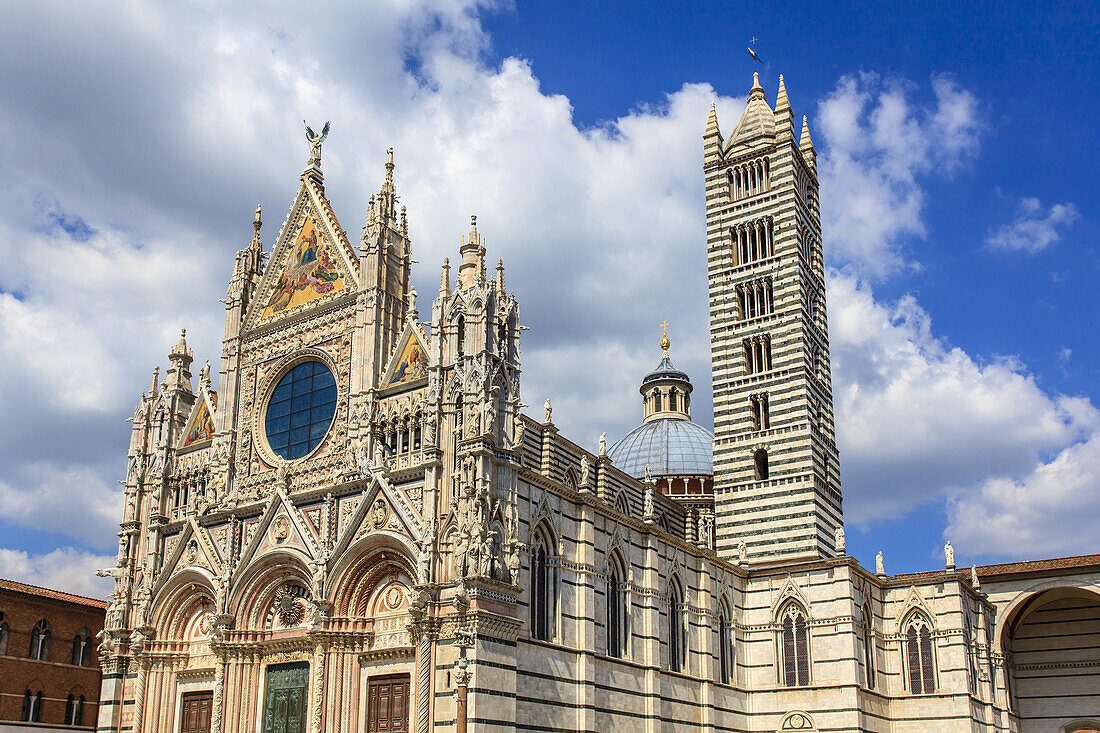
(49, 666)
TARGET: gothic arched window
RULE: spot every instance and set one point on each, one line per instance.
(460, 339)
(725, 646)
(543, 590)
(794, 646)
(677, 636)
(40, 642)
(4, 633)
(760, 465)
(868, 646)
(74, 709)
(82, 649)
(28, 703)
(918, 655)
(618, 614)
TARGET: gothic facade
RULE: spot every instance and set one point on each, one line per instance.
(361, 530)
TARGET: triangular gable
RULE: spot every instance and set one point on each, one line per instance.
(790, 591)
(192, 548)
(914, 601)
(312, 261)
(396, 515)
(409, 361)
(281, 526)
(199, 428)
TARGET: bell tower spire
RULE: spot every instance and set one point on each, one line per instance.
(777, 485)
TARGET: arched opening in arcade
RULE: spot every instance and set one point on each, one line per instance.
(1051, 643)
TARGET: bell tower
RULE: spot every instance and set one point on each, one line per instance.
(776, 477)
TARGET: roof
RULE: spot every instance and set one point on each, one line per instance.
(56, 595)
(757, 119)
(669, 446)
(1051, 565)
(665, 370)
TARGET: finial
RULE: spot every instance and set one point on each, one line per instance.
(445, 278)
(473, 221)
(665, 343)
(256, 222)
(500, 275)
(389, 166)
(156, 380)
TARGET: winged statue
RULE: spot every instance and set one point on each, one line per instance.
(315, 141)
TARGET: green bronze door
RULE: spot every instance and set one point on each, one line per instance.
(286, 699)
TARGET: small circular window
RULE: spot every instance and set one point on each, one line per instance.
(300, 410)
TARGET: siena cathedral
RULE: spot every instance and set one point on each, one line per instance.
(359, 529)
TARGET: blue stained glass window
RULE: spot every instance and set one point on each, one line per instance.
(301, 410)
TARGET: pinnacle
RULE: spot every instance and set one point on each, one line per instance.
(805, 142)
(781, 101)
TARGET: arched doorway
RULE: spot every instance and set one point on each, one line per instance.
(1051, 642)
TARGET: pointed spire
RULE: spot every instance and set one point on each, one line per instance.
(154, 385)
(473, 257)
(178, 377)
(257, 221)
(500, 276)
(805, 143)
(445, 279)
(712, 138)
(204, 375)
(781, 101)
(383, 205)
(757, 90)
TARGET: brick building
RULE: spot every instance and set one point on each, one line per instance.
(49, 666)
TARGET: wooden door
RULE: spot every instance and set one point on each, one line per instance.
(196, 712)
(388, 704)
(285, 701)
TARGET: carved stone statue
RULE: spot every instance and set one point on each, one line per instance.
(648, 474)
(880, 567)
(949, 555)
(974, 577)
(547, 410)
(586, 468)
(603, 445)
(424, 556)
(647, 505)
(317, 577)
(412, 299)
(486, 554)
(838, 540)
(742, 552)
(517, 430)
(315, 141)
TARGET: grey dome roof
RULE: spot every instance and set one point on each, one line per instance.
(670, 446)
(665, 371)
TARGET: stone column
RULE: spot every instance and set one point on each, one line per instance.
(219, 696)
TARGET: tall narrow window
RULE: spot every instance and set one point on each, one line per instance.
(918, 653)
(460, 338)
(542, 591)
(677, 654)
(758, 406)
(82, 649)
(40, 642)
(617, 612)
(28, 702)
(868, 647)
(672, 400)
(760, 464)
(36, 708)
(795, 647)
(4, 633)
(725, 648)
(70, 710)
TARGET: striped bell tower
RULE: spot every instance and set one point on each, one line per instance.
(776, 477)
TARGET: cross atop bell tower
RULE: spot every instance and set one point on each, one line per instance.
(776, 477)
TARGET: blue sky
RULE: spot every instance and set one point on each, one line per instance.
(959, 207)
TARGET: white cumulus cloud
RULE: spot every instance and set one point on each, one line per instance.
(64, 569)
(1034, 227)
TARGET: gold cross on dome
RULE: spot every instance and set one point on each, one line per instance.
(664, 338)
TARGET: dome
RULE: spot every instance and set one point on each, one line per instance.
(669, 446)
